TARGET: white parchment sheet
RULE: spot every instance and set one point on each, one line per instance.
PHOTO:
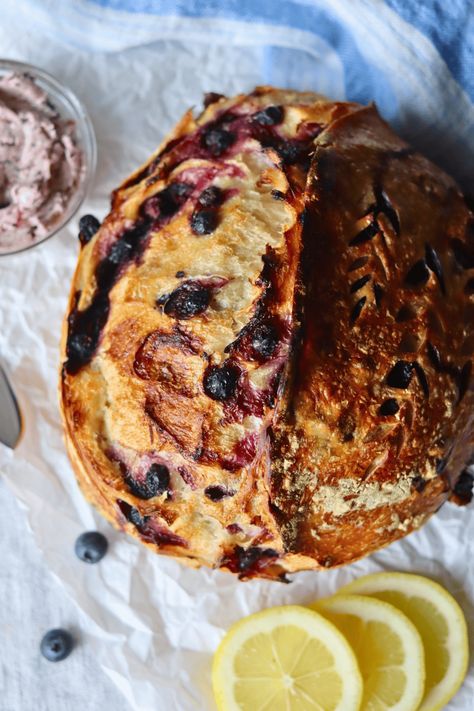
(153, 623)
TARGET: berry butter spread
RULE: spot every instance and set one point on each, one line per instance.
(40, 163)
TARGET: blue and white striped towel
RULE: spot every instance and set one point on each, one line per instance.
(414, 59)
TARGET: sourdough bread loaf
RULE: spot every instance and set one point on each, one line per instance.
(267, 355)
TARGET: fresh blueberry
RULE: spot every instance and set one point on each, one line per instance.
(56, 645)
(91, 546)
(88, 226)
(203, 222)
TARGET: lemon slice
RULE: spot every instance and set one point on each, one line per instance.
(285, 659)
(440, 622)
(388, 649)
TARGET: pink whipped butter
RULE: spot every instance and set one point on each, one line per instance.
(40, 163)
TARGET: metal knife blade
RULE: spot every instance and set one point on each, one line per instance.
(10, 416)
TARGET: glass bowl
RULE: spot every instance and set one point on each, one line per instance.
(69, 107)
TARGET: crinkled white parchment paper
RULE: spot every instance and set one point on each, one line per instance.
(154, 623)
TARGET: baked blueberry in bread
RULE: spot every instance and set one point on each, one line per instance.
(267, 356)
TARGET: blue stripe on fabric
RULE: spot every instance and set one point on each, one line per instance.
(449, 24)
(363, 82)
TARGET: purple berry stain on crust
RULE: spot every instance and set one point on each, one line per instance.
(187, 300)
(249, 561)
(220, 381)
(150, 531)
(245, 451)
(234, 528)
(263, 337)
(85, 327)
(215, 139)
(167, 202)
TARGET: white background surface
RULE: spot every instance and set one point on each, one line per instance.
(31, 602)
(151, 624)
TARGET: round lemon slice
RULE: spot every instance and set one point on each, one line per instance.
(285, 659)
(440, 622)
(388, 649)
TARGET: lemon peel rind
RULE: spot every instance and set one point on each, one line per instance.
(440, 694)
(379, 611)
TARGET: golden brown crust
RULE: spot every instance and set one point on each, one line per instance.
(224, 366)
(381, 402)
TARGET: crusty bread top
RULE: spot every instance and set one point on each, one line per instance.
(380, 404)
(266, 361)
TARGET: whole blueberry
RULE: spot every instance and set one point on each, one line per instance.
(210, 197)
(220, 381)
(56, 645)
(188, 300)
(270, 116)
(204, 221)
(91, 546)
(157, 481)
(217, 140)
(264, 340)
